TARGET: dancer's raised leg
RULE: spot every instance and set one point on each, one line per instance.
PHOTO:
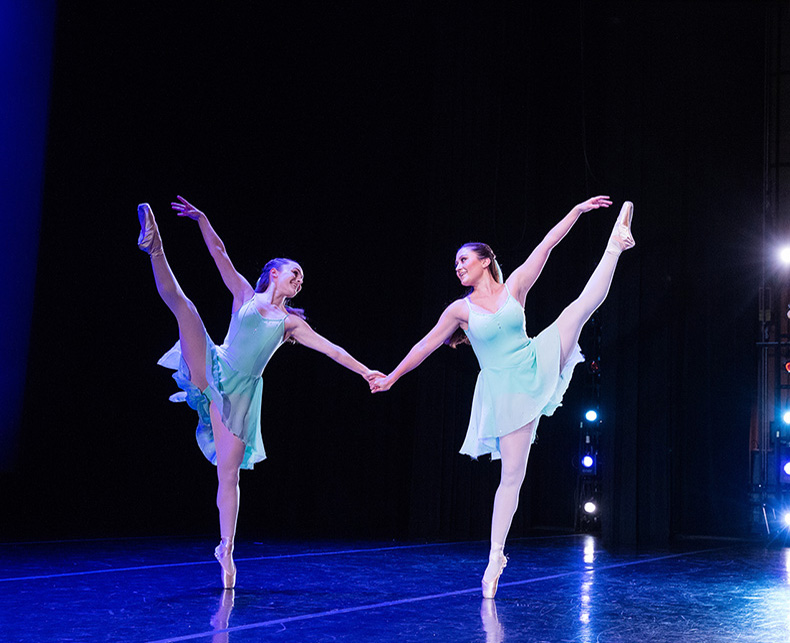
(230, 454)
(514, 448)
(573, 318)
(191, 330)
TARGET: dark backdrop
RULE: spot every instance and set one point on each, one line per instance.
(368, 142)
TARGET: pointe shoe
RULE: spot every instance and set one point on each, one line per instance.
(149, 240)
(497, 561)
(621, 238)
(224, 555)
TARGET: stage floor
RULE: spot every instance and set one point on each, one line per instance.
(560, 588)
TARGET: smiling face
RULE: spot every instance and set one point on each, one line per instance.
(469, 266)
(288, 278)
(284, 275)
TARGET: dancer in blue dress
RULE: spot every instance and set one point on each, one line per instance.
(223, 383)
(521, 378)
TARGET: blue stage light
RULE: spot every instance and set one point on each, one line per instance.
(786, 468)
(587, 461)
(590, 507)
(784, 255)
(786, 417)
(591, 416)
(786, 518)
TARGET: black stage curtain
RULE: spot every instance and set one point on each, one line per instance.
(369, 143)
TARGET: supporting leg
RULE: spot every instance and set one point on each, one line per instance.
(230, 454)
(514, 448)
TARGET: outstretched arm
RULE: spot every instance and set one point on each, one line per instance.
(524, 277)
(300, 330)
(239, 287)
(449, 321)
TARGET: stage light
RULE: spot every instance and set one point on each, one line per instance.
(786, 417)
(786, 518)
(592, 416)
(787, 468)
(784, 255)
(587, 462)
(590, 507)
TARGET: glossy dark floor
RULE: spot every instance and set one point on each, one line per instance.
(554, 589)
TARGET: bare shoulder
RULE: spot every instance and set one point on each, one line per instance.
(517, 289)
(242, 296)
(458, 310)
(293, 322)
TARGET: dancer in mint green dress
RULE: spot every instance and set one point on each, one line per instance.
(521, 378)
(223, 383)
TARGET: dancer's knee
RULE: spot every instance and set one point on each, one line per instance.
(512, 477)
(228, 475)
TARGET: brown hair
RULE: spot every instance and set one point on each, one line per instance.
(483, 251)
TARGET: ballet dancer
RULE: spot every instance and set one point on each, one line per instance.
(223, 383)
(521, 378)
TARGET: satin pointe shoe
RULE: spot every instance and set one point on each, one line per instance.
(621, 238)
(496, 563)
(149, 240)
(224, 555)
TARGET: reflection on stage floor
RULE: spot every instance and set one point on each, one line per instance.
(556, 588)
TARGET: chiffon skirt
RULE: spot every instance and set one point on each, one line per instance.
(506, 399)
(236, 395)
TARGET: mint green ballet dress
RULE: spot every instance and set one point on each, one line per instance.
(520, 380)
(233, 372)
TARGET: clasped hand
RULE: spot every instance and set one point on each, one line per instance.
(380, 383)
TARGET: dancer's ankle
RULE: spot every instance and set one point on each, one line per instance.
(496, 550)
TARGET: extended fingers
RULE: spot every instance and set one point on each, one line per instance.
(182, 205)
(601, 201)
(185, 208)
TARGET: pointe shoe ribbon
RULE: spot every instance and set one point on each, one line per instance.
(149, 240)
(621, 238)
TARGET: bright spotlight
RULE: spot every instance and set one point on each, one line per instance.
(786, 518)
(587, 462)
(787, 468)
(786, 417)
(592, 416)
(784, 255)
(590, 507)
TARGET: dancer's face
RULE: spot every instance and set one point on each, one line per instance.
(289, 279)
(469, 267)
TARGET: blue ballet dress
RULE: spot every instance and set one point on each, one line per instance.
(521, 378)
(233, 372)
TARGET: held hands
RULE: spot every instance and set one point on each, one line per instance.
(186, 209)
(592, 204)
(381, 383)
(371, 376)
